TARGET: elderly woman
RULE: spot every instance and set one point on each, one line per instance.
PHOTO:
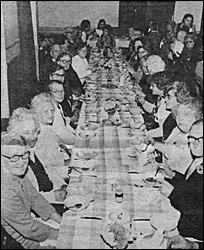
(175, 148)
(47, 145)
(80, 63)
(23, 123)
(175, 94)
(61, 124)
(187, 194)
(19, 197)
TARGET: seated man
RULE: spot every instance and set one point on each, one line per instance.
(19, 197)
(187, 193)
(61, 124)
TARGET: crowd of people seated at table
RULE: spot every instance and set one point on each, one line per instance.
(168, 86)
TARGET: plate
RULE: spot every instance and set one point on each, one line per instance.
(78, 189)
(86, 154)
(152, 241)
(165, 221)
(146, 196)
(89, 126)
(120, 216)
(115, 236)
(78, 203)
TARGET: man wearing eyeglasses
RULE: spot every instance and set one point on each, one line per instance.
(61, 124)
(19, 197)
(187, 195)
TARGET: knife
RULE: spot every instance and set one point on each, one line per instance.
(141, 219)
(91, 217)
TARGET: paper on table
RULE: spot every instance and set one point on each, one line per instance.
(178, 47)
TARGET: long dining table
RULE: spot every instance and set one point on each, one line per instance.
(111, 167)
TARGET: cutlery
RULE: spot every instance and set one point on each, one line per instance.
(91, 217)
(141, 219)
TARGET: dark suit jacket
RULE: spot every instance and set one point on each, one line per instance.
(187, 197)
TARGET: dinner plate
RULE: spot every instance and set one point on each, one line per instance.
(77, 203)
(165, 221)
(146, 195)
(86, 154)
(89, 126)
(115, 235)
(120, 216)
(78, 189)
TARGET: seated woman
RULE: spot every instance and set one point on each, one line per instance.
(190, 55)
(48, 144)
(187, 193)
(23, 123)
(100, 27)
(133, 58)
(106, 40)
(80, 63)
(85, 28)
(158, 83)
(175, 148)
(175, 94)
(61, 124)
(187, 23)
(19, 197)
(143, 52)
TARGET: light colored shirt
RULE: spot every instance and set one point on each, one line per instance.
(81, 67)
(177, 151)
(64, 131)
(18, 197)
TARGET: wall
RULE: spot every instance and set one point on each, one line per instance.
(71, 13)
(193, 7)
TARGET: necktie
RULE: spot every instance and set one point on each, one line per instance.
(62, 114)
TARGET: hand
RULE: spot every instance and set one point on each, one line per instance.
(179, 242)
(60, 194)
(166, 188)
(140, 98)
(166, 171)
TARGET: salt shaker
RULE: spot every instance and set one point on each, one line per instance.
(119, 195)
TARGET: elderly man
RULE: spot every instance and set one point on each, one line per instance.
(19, 197)
(50, 60)
(61, 124)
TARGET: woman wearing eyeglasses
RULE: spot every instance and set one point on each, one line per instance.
(19, 197)
(187, 194)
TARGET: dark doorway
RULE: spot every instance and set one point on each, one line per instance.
(132, 14)
(138, 14)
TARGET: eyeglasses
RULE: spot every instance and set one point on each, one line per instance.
(58, 91)
(194, 139)
(65, 61)
(169, 96)
(16, 158)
